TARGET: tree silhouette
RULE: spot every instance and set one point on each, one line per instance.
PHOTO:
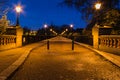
(106, 15)
(86, 7)
(4, 7)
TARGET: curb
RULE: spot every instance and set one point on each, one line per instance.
(13, 67)
(5, 74)
(104, 54)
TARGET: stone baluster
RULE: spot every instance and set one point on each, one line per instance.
(114, 43)
(111, 41)
(102, 41)
(11, 40)
(2, 41)
(105, 42)
(108, 42)
(6, 40)
(118, 44)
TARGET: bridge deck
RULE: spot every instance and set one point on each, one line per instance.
(61, 63)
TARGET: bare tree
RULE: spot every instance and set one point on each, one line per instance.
(4, 6)
(3, 11)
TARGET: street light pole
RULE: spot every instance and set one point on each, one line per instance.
(71, 26)
(45, 26)
(18, 10)
(17, 21)
(97, 7)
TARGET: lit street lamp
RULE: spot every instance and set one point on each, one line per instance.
(66, 29)
(71, 26)
(45, 26)
(51, 30)
(18, 11)
(97, 7)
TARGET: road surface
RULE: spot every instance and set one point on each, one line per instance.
(61, 63)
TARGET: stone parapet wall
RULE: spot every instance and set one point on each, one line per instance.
(112, 41)
(7, 41)
(109, 43)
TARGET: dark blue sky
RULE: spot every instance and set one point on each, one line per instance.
(39, 12)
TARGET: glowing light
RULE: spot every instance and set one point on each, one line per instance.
(71, 26)
(51, 30)
(45, 26)
(66, 29)
(18, 9)
(98, 5)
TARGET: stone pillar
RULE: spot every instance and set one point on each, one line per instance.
(95, 33)
(19, 33)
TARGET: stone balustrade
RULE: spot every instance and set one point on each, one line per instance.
(7, 39)
(112, 41)
(12, 38)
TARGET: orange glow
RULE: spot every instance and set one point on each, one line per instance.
(66, 29)
(51, 30)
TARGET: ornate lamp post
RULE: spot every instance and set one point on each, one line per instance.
(97, 7)
(18, 11)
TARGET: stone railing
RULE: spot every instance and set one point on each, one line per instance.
(112, 41)
(7, 41)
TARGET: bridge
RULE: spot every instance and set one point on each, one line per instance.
(60, 62)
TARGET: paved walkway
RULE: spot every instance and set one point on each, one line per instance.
(11, 59)
(115, 59)
(14, 56)
(61, 63)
